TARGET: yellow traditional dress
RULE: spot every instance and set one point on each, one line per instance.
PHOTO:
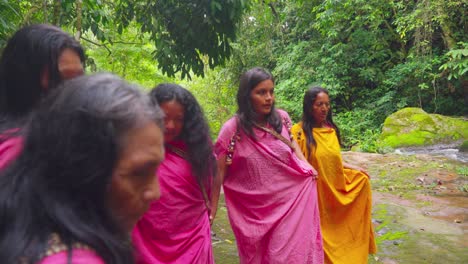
(345, 200)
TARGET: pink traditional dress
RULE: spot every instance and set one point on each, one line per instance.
(271, 198)
(10, 148)
(176, 229)
(57, 253)
(79, 256)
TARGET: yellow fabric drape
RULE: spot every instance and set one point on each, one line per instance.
(345, 200)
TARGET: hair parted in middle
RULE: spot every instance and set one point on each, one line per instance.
(59, 183)
(245, 111)
(308, 121)
(195, 131)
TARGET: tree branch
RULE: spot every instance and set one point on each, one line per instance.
(97, 44)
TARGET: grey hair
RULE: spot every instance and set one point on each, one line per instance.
(112, 98)
(73, 141)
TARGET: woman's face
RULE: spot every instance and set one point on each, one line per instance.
(262, 97)
(320, 108)
(173, 120)
(69, 66)
(134, 184)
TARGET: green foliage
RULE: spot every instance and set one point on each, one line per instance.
(464, 146)
(457, 62)
(185, 31)
(358, 128)
(463, 188)
(216, 95)
(463, 171)
(130, 56)
(9, 17)
(374, 56)
(187, 35)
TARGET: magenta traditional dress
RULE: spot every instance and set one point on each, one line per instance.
(176, 229)
(10, 148)
(79, 256)
(271, 199)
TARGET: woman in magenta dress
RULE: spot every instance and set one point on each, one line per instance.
(176, 229)
(269, 187)
(35, 60)
(84, 177)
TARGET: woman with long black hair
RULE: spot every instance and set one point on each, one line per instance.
(176, 229)
(344, 193)
(270, 189)
(36, 59)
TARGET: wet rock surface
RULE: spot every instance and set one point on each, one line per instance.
(420, 210)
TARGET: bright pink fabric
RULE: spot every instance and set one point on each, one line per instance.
(271, 199)
(10, 148)
(176, 229)
(79, 256)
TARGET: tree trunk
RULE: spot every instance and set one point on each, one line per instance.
(447, 36)
(44, 6)
(57, 12)
(79, 16)
(450, 43)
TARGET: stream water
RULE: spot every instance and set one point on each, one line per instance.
(447, 150)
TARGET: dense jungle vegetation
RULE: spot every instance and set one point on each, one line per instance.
(374, 56)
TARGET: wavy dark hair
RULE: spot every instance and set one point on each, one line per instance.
(195, 131)
(245, 110)
(308, 121)
(59, 183)
(29, 52)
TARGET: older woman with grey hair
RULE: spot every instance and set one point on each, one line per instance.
(84, 177)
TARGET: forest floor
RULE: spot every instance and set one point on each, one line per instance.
(420, 210)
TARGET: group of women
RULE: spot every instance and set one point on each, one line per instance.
(92, 170)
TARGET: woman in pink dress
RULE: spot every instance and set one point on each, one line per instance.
(176, 229)
(270, 189)
(84, 177)
(35, 60)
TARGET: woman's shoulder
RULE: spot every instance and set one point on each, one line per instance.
(229, 127)
(283, 113)
(296, 129)
(297, 126)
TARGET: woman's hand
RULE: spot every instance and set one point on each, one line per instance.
(353, 167)
(212, 215)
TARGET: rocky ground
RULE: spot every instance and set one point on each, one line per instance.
(420, 210)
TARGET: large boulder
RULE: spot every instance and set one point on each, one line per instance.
(411, 127)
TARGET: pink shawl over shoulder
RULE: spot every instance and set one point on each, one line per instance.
(271, 199)
(176, 229)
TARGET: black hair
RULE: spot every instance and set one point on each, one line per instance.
(29, 52)
(245, 111)
(59, 183)
(195, 131)
(308, 121)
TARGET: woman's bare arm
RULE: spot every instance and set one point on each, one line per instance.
(217, 182)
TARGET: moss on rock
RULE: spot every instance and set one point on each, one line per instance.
(464, 146)
(413, 127)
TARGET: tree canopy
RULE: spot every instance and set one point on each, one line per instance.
(184, 32)
(374, 56)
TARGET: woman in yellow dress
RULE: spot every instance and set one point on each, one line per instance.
(345, 199)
